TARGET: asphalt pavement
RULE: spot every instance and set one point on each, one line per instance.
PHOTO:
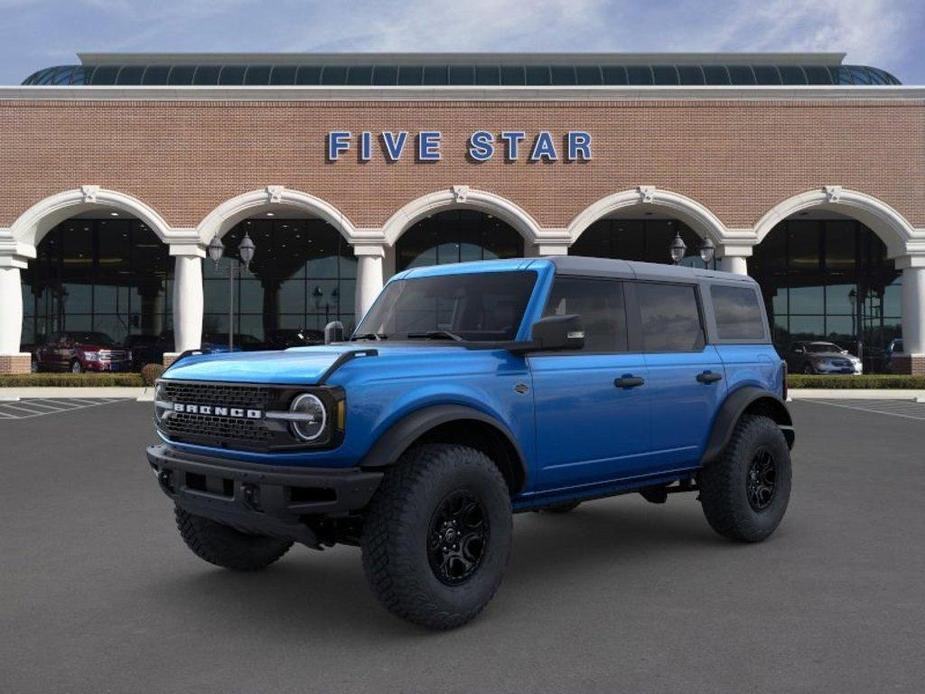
(98, 593)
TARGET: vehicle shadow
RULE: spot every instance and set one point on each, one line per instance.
(307, 591)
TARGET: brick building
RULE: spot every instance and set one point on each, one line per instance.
(343, 169)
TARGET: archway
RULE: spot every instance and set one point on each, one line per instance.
(646, 236)
(454, 236)
(302, 276)
(826, 276)
(649, 201)
(101, 272)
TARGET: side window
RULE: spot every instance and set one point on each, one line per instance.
(600, 305)
(670, 318)
(738, 315)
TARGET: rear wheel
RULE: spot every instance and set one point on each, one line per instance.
(745, 493)
(226, 547)
(437, 536)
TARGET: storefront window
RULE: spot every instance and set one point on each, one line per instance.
(457, 236)
(105, 275)
(648, 240)
(303, 275)
(829, 280)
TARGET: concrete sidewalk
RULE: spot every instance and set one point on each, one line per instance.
(857, 394)
(58, 393)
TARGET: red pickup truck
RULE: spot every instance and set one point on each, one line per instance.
(79, 351)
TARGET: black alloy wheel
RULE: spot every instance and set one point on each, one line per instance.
(458, 534)
(761, 479)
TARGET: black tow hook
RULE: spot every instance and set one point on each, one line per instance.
(165, 479)
(251, 496)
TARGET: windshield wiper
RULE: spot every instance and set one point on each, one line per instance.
(370, 336)
(436, 335)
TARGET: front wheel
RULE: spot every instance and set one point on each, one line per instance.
(745, 493)
(226, 547)
(437, 537)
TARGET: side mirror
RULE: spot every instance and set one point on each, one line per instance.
(333, 332)
(556, 333)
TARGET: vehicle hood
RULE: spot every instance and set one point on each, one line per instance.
(304, 365)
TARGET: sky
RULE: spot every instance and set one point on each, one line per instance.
(40, 33)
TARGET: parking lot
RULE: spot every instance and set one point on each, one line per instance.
(98, 594)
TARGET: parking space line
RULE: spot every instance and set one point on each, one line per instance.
(875, 410)
(9, 411)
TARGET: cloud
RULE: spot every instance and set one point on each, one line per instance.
(885, 34)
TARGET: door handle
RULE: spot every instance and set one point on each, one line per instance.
(709, 377)
(628, 381)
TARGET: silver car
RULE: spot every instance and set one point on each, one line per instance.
(822, 358)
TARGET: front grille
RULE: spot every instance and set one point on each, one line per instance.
(212, 429)
(235, 414)
(230, 395)
(222, 430)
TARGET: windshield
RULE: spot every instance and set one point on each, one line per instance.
(823, 347)
(478, 307)
(100, 339)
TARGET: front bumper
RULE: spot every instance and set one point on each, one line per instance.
(268, 500)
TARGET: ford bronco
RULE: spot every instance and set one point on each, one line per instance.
(469, 392)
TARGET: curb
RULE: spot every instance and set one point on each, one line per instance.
(56, 393)
(856, 394)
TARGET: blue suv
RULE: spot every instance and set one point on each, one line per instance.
(469, 392)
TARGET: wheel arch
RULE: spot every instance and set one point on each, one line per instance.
(452, 424)
(746, 400)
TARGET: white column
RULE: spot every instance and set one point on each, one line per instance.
(734, 258)
(187, 297)
(369, 277)
(734, 263)
(548, 248)
(913, 303)
(10, 310)
(13, 258)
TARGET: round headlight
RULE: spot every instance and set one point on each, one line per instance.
(310, 417)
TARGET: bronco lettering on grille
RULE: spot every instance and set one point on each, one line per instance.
(217, 411)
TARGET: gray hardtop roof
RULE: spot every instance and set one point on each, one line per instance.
(607, 267)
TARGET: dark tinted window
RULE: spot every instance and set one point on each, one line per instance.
(665, 74)
(232, 74)
(206, 74)
(258, 74)
(690, 74)
(360, 75)
(738, 316)
(639, 74)
(600, 305)
(462, 74)
(385, 75)
(485, 306)
(131, 74)
(670, 318)
(283, 74)
(715, 74)
(182, 74)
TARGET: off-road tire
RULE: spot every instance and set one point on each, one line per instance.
(226, 547)
(398, 529)
(561, 508)
(723, 483)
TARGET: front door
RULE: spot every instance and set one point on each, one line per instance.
(592, 406)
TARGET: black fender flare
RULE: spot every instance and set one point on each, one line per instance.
(399, 437)
(734, 406)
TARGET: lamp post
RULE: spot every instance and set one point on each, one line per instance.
(678, 248)
(246, 251)
(707, 251)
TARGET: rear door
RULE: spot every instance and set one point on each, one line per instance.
(686, 376)
(592, 409)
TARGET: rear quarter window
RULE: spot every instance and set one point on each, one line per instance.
(670, 318)
(738, 313)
